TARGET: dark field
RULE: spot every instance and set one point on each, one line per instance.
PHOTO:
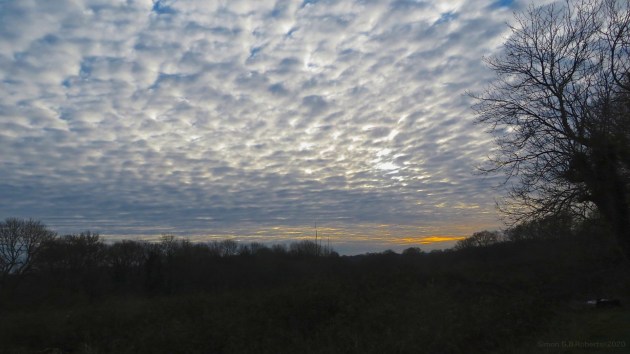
(176, 297)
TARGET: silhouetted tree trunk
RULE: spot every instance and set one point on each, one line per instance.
(611, 197)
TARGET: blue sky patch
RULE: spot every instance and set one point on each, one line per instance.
(503, 3)
(162, 9)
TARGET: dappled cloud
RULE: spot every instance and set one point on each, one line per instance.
(197, 115)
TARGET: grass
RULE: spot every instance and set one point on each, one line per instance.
(508, 298)
(586, 330)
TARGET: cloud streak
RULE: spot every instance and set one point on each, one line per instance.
(212, 115)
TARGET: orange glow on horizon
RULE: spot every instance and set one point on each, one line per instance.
(383, 235)
(427, 240)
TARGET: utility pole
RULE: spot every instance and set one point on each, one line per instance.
(328, 250)
(316, 244)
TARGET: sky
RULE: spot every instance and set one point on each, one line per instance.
(252, 120)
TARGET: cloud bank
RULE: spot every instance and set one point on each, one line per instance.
(225, 117)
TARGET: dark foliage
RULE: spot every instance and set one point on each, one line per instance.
(86, 296)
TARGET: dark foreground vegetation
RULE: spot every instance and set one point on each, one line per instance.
(518, 292)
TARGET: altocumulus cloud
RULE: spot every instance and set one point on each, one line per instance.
(231, 117)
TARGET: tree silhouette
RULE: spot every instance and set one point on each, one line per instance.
(124, 259)
(478, 239)
(20, 244)
(304, 248)
(412, 251)
(559, 113)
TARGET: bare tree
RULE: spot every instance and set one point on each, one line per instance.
(304, 248)
(20, 243)
(558, 111)
(479, 239)
(228, 248)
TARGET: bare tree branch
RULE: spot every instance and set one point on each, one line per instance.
(559, 111)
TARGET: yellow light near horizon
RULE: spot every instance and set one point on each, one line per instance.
(437, 239)
(427, 240)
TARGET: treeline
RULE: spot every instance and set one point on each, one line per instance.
(561, 226)
(33, 257)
